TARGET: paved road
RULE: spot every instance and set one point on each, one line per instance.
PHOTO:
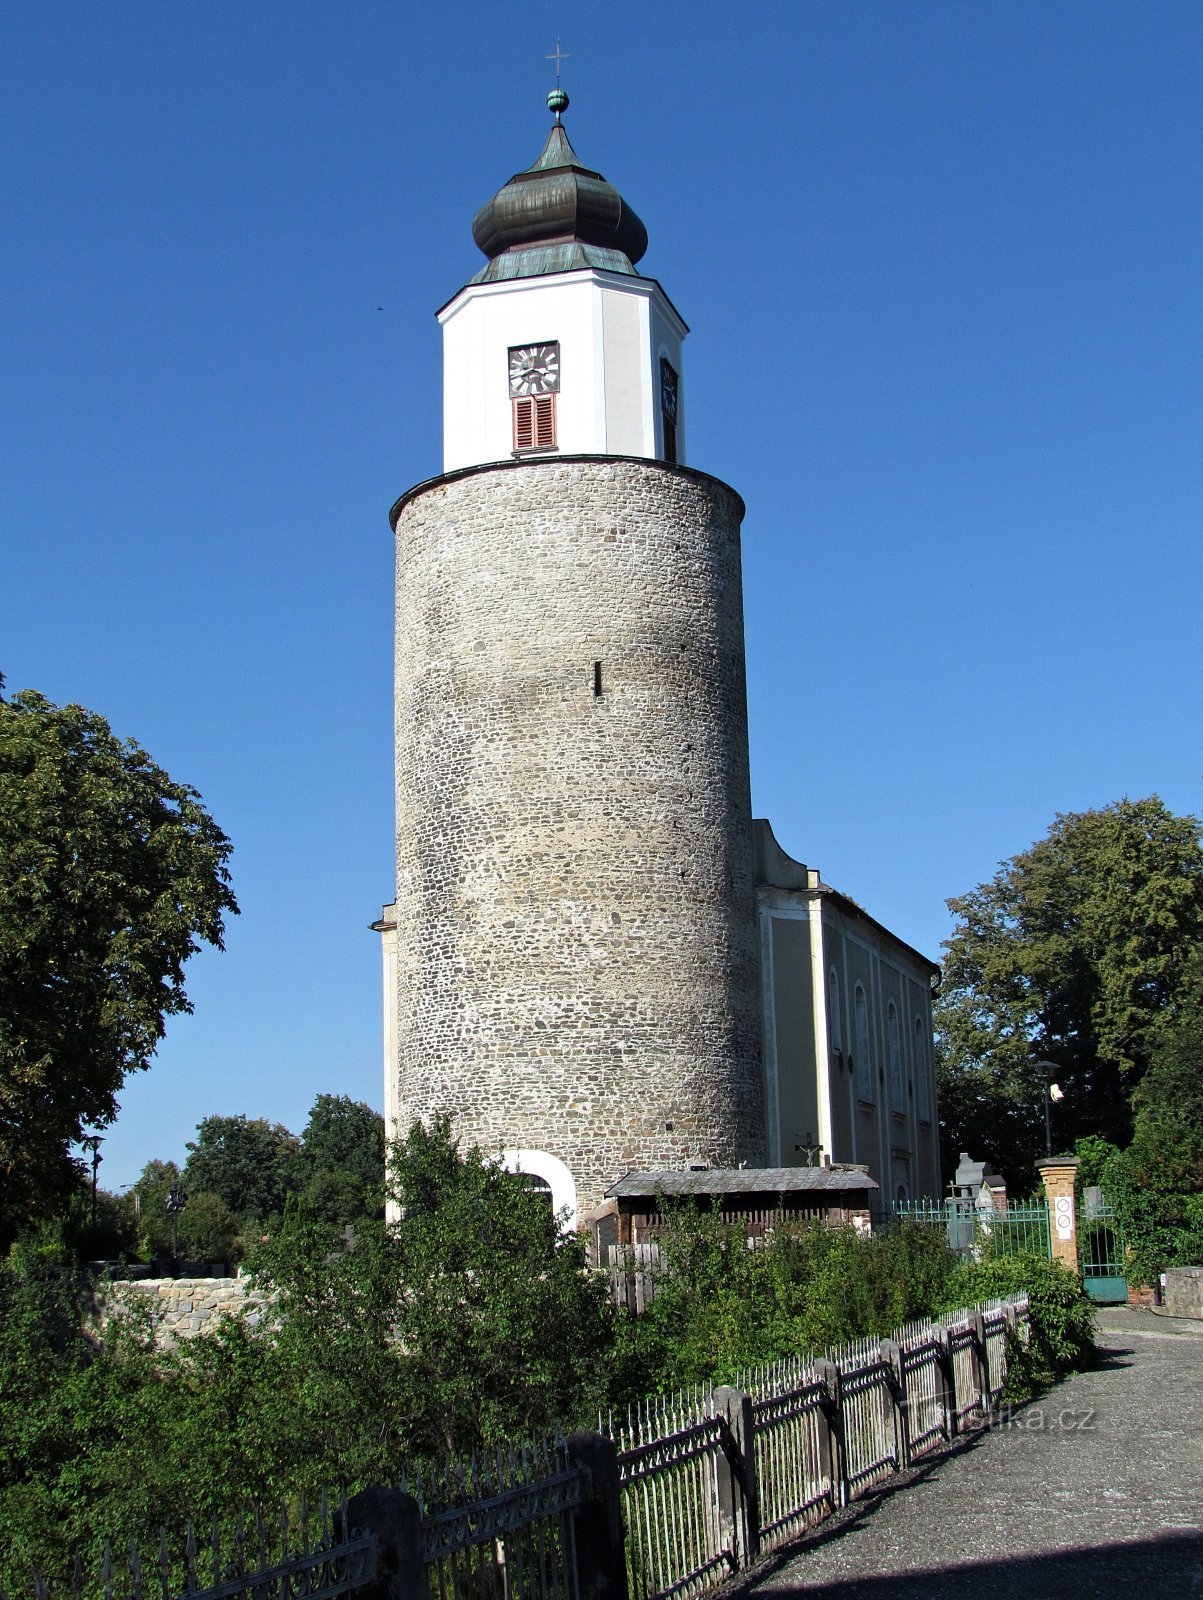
(1094, 1489)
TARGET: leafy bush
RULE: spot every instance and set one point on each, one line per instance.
(721, 1306)
(1062, 1327)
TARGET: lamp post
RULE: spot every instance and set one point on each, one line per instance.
(93, 1142)
(176, 1201)
(1051, 1092)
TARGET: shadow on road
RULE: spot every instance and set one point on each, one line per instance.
(1171, 1565)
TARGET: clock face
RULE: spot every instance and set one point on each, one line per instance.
(534, 369)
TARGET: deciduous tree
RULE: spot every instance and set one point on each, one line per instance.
(111, 875)
(341, 1167)
(249, 1163)
(1072, 953)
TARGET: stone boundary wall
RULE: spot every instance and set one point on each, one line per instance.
(1184, 1292)
(182, 1307)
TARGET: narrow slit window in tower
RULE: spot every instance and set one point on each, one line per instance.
(597, 681)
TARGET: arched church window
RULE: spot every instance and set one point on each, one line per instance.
(533, 1184)
(835, 1023)
(894, 1045)
(922, 1072)
(864, 1065)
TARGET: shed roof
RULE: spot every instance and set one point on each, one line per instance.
(743, 1180)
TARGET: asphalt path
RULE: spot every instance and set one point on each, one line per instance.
(1094, 1488)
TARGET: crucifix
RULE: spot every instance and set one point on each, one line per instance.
(808, 1149)
(558, 55)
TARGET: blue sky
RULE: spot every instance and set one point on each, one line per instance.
(942, 264)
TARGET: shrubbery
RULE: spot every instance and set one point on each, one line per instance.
(721, 1306)
(1062, 1326)
(473, 1322)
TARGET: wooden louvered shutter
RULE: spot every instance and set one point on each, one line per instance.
(545, 421)
(535, 422)
(524, 424)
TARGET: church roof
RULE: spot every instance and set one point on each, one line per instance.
(555, 216)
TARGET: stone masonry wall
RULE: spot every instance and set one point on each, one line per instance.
(182, 1307)
(575, 917)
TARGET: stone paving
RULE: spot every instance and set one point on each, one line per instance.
(1096, 1487)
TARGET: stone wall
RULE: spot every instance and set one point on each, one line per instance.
(182, 1307)
(1183, 1293)
(576, 964)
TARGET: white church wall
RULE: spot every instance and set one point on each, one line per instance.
(608, 401)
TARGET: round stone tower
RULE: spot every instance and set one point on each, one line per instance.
(572, 963)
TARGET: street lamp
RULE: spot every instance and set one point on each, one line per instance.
(176, 1201)
(1052, 1093)
(93, 1142)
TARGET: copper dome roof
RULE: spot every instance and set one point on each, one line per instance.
(555, 216)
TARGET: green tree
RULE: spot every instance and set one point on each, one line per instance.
(111, 874)
(472, 1319)
(155, 1182)
(1071, 953)
(249, 1163)
(341, 1169)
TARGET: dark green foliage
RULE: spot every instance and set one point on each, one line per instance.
(207, 1229)
(110, 876)
(1062, 1335)
(341, 1168)
(1071, 953)
(473, 1321)
(1156, 1183)
(250, 1164)
(720, 1306)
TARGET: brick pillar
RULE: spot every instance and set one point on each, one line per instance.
(1057, 1174)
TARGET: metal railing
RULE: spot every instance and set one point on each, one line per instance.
(977, 1232)
(501, 1527)
(298, 1552)
(669, 1454)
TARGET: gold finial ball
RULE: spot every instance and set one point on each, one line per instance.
(557, 101)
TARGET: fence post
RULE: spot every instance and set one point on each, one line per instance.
(601, 1557)
(396, 1520)
(981, 1364)
(738, 1501)
(831, 1432)
(948, 1382)
(891, 1351)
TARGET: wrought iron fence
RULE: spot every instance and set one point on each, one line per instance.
(977, 1232)
(501, 1527)
(297, 1552)
(668, 1467)
(1101, 1253)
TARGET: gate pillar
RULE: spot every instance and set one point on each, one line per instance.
(1057, 1173)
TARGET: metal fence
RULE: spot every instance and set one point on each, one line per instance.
(670, 1503)
(978, 1232)
(298, 1552)
(501, 1527)
(669, 1454)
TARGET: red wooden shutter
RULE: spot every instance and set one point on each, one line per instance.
(524, 424)
(535, 422)
(545, 422)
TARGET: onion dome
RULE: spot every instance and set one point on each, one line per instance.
(556, 216)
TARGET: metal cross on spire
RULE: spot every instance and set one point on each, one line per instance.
(557, 55)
